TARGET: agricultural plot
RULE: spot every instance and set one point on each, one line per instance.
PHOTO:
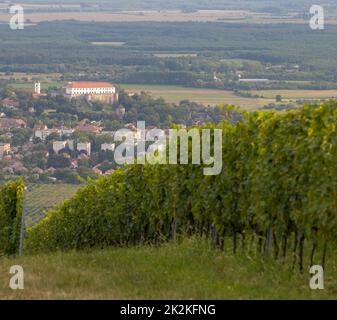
(41, 197)
(211, 97)
(233, 16)
(175, 94)
(297, 94)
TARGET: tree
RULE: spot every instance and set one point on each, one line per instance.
(66, 175)
(21, 136)
(278, 98)
(58, 161)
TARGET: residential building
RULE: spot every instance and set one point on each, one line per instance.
(5, 148)
(84, 146)
(9, 103)
(42, 131)
(60, 145)
(86, 126)
(10, 123)
(108, 147)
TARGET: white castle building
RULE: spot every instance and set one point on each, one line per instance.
(98, 91)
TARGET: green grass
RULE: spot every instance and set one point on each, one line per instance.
(189, 270)
(30, 85)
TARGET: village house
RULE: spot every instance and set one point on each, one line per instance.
(84, 146)
(37, 170)
(60, 145)
(108, 147)
(5, 148)
(86, 126)
(18, 168)
(9, 103)
(10, 123)
(41, 131)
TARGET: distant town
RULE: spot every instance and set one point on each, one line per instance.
(43, 149)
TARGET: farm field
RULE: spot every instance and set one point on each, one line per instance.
(297, 94)
(47, 195)
(108, 15)
(144, 15)
(187, 270)
(212, 97)
(40, 197)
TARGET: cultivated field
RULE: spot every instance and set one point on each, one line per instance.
(213, 97)
(159, 16)
(47, 195)
(41, 197)
(297, 94)
(204, 96)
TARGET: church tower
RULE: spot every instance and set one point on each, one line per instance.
(37, 88)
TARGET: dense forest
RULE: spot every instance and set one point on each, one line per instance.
(175, 53)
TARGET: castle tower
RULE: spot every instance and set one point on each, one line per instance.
(37, 88)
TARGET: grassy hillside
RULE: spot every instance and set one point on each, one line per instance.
(189, 270)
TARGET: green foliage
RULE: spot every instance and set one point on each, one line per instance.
(11, 198)
(278, 181)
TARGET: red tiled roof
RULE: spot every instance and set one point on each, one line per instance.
(87, 127)
(88, 85)
(8, 101)
(10, 122)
